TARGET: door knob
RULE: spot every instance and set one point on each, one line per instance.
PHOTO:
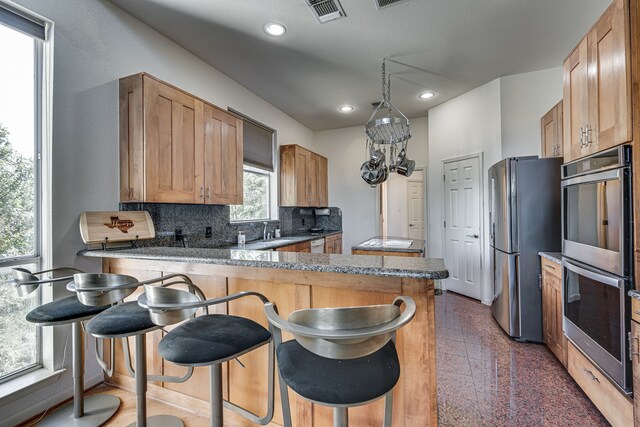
(475, 236)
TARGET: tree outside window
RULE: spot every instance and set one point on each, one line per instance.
(256, 197)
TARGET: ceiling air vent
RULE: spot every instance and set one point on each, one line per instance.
(327, 10)
(384, 3)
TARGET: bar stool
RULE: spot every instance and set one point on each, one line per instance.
(209, 340)
(91, 411)
(125, 320)
(340, 357)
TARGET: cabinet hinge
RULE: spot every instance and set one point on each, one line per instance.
(444, 178)
(540, 281)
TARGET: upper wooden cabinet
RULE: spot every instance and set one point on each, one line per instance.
(551, 129)
(303, 177)
(597, 86)
(176, 148)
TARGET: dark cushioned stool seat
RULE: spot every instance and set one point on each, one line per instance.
(63, 310)
(121, 320)
(209, 338)
(338, 382)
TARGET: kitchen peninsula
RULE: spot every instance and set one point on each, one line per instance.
(293, 281)
(390, 246)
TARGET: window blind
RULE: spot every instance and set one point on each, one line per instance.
(258, 145)
(19, 21)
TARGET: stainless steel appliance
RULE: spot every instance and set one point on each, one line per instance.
(596, 318)
(597, 250)
(597, 207)
(317, 246)
(524, 218)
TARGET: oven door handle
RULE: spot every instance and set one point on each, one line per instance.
(595, 177)
(593, 275)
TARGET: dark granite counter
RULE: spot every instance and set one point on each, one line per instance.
(386, 244)
(416, 268)
(552, 256)
(261, 245)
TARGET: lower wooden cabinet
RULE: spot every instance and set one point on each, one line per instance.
(614, 405)
(296, 247)
(552, 309)
(333, 244)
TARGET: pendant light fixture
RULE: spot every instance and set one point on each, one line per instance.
(387, 133)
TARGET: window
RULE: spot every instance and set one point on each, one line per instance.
(21, 75)
(258, 180)
(256, 197)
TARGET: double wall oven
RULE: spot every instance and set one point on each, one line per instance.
(597, 249)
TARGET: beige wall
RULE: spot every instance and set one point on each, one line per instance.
(345, 150)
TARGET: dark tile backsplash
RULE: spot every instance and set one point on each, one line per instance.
(193, 220)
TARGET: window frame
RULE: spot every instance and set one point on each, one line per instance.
(41, 255)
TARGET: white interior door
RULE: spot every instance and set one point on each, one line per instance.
(462, 226)
(415, 209)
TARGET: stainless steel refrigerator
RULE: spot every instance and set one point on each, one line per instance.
(524, 219)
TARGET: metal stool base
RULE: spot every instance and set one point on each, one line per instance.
(98, 409)
(161, 421)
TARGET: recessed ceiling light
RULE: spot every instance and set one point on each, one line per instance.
(426, 95)
(275, 29)
(346, 109)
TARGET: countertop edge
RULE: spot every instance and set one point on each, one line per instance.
(437, 274)
(552, 256)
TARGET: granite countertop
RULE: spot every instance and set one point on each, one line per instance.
(552, 256)
(409, 267)
(633, 293)
(261, 245)
(384, 245)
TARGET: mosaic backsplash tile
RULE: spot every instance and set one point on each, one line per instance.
(193, 221)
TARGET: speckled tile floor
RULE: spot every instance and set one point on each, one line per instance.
(486, 379)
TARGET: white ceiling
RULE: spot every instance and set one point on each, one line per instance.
(315, 68)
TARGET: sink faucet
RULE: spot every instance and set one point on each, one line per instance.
(264, 231)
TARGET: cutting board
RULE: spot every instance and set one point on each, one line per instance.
(116, 226)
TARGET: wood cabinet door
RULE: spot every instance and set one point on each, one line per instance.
(609, 79)
(547, 311)
(337, 246)
(173, 145)
(575, 102)
(223, 157)
(312, 178)
(323, 182)
(560, 133)
(302, 186)
(549, 131)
